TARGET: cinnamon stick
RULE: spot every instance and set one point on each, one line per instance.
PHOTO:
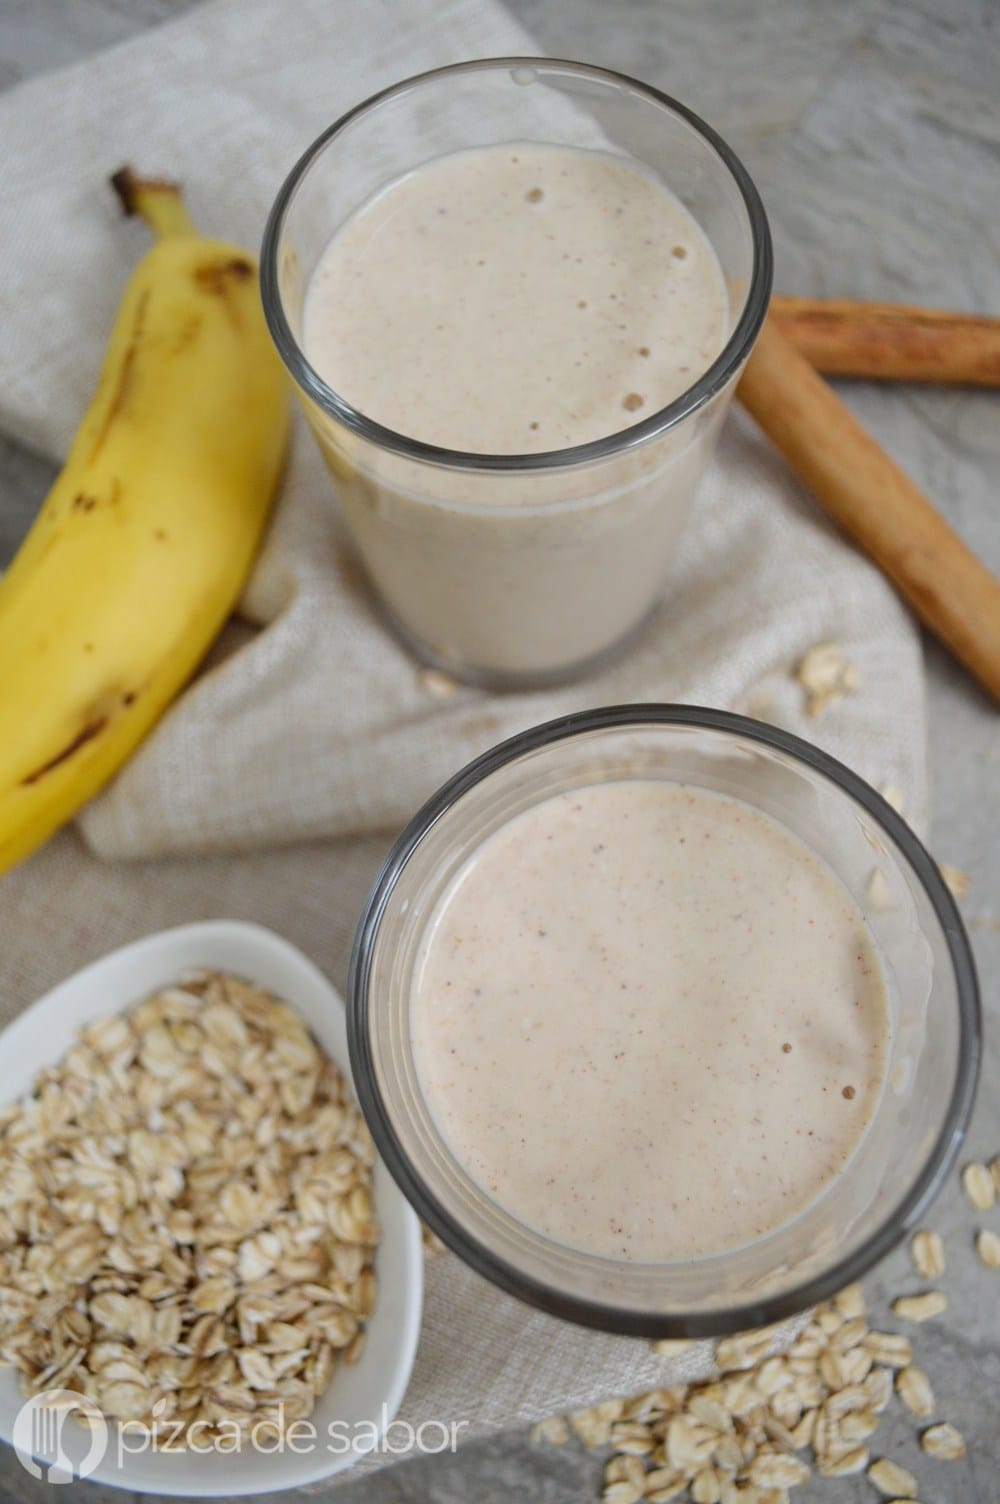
(890, 341)
(950, 589)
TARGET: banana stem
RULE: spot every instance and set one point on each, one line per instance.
(157, 200)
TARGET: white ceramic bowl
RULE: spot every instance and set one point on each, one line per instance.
(362, 1399)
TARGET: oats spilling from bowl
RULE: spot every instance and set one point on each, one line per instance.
(737, 1437)
(769, 1421)
(553, 1429)
(187, 1231)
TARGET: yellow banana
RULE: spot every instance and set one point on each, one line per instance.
(144, 543)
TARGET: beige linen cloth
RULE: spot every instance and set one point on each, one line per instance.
(313, 722)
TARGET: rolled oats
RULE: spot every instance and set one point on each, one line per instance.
(927, 1252)
(738, 1439)
(859, 1425)
(988, 1248)
(689, 1445)
(979, 1186)
(914, 1388)
(669, 1347)
(803, 1433)
(778, 1470)
(772, 1375)
(663, 1484)
(891, 1349)
(705, 1487)
(624, 1469)
(878, 1386)
(593, 1425)
(744, 1350)
(850, 1302)
(826, 676)
(632, 1438)
(841, 1464)
(855, 1365)
(944, 1442)
(832, 1371)
(188, 1199)
(554, 1430)
(621, 1493)
(706, 1408)
(920, 1307)
(786, 1406)
(891, 1480)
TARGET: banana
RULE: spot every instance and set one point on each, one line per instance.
(144, 543)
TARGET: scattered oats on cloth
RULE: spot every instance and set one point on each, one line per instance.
(313, 723)
(763, 1429)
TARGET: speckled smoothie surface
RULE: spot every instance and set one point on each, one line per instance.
(649, 1020)
(509, 300)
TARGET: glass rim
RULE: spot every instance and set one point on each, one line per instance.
(901, 1216)
(712, 381)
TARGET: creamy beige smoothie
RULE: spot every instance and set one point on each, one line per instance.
(649, 1021)
(510, 301)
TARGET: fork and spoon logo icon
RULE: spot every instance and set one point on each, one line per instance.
(38, 1435)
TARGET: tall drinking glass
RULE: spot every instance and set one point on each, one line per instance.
(882, 1192)
(514, 570)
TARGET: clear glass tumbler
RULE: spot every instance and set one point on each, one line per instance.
(883, 1191)
(517, 570)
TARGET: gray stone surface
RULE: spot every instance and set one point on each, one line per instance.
(871, 127)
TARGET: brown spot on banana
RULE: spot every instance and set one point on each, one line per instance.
(215, 276)
(218, 279)
(85, 735)
(125, 374)
(86, 501)
(92, 728)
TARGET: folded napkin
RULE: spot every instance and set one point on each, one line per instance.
(312, 721)
(319, 724)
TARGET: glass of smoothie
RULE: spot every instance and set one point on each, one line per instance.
(664, 1021)
(515, 296)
